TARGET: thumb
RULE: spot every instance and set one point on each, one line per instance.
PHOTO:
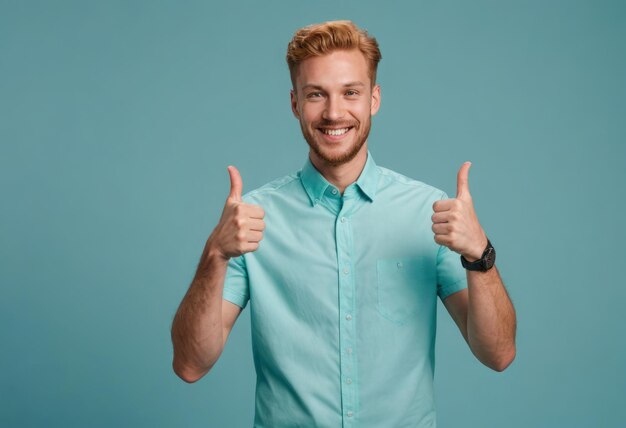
(462, 181)
(236, 184)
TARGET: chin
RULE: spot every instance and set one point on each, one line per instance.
(336, 157)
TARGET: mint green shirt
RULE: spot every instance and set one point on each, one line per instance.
(343, 297)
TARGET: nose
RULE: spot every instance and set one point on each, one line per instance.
(334, 109)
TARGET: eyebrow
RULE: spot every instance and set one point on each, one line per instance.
(346, 85)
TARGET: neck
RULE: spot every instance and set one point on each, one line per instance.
(343, 175)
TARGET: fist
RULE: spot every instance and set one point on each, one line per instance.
(455, 223)
(241, 226)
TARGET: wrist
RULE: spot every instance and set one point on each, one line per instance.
(212, 257)
(215, 255)
(477, 252)
(209, 268)
(482, 264)
(213, 250)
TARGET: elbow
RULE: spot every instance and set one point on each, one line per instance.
(187, 374)
(187, 377)
(504, 361)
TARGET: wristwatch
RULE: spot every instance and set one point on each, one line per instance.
(483, 264)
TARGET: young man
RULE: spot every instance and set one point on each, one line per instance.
(343, 287)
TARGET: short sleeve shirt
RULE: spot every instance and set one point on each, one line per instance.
(343, 296)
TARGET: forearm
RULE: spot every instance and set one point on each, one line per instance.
(491, 321)
(197, 330)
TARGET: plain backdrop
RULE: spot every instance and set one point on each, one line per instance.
(117, 122)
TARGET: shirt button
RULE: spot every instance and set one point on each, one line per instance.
(399, 265)
(334, 191)
(346, 271)
(348, 317)
(343, 219)
(348, 381)
(349, 414)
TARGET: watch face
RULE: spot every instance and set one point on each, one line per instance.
(490, 258)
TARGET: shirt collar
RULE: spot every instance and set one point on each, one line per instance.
(315, 184)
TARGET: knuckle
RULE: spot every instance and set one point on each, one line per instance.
(240, 236)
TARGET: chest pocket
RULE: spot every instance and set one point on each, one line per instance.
(404, 288)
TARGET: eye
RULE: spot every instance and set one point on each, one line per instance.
(351, 93)
(314, 94)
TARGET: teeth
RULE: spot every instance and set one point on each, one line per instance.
(335, 131)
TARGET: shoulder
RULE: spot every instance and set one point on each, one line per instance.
(278, 187)
(392, 181)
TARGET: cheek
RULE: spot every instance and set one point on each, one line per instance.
(309, 114)
(364, 116)
(364, 110)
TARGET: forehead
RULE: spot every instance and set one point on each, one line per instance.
(334, 69)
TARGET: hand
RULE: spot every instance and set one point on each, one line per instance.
(241, 226)
(455, 223)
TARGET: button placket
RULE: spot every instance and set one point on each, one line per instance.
(347, 328)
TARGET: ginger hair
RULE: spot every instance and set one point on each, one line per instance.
(322, 39)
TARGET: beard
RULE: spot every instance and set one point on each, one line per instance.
(361, 131)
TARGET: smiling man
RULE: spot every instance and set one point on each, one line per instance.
(336, 128)
(342, 263)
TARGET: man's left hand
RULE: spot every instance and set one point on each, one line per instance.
(455, 223)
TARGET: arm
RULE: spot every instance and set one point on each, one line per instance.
(483, 312)
(486, 318)
(204, 320)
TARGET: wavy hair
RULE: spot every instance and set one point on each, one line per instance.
(321, 39)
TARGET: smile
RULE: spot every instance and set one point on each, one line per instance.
(335, 132)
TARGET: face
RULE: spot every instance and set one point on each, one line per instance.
(334, 101)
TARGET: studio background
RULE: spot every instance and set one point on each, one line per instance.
(117, 122)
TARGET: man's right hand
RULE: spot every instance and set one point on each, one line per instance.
(241, 226)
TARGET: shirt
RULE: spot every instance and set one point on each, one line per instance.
(343, 297)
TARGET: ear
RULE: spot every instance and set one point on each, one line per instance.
(294, 104)
(375, 100)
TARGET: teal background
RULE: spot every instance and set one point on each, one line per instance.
(117, 122)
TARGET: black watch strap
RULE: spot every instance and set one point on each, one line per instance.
(486, 262)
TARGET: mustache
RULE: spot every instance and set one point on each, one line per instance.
(335, 124)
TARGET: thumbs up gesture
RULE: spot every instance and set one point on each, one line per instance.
(455, 223)
(241, 226)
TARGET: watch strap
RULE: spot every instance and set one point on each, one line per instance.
(485, 262)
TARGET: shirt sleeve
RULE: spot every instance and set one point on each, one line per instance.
(236, 287)
(451, 276)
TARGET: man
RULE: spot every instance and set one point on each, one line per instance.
(343, 287)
